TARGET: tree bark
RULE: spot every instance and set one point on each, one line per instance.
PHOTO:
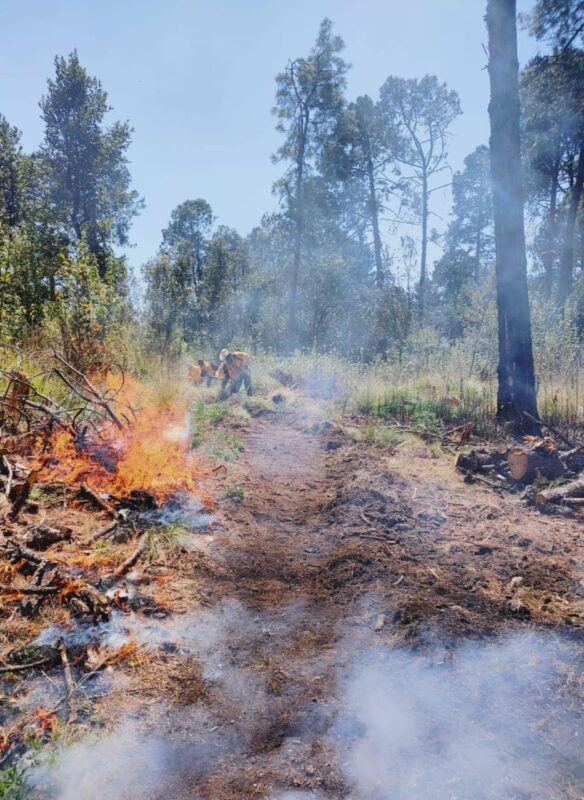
(561, 494)
(292, 332)
(549, 256)
(516, 392)
(527, 461)
(567, 258)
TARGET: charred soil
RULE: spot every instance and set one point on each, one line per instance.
(325, 553)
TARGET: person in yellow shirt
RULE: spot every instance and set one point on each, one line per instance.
(234, 371)
(202, 371)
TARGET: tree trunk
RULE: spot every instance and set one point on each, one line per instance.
(567, 258)
(424, 255)
(516, 393)
(292, 331)
(549, 256)
(374, 211)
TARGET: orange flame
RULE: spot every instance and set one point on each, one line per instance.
(152, 453)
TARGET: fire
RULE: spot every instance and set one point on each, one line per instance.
(152, 452)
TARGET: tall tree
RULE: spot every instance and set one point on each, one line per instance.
(516, 392)
(424, 110)
(11, 188)
(469, 249)
(552, 105)
(309, 99)
(362, 157)
(187, 237)
(560, 22)
(86, 164)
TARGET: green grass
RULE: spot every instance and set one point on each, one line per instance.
(161, 543)
(224, 446)
(209, 414)
(13, 783)
(234, 491)
(380, 435)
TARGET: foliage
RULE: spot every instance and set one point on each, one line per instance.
(13, 783)
(88, 312)
(87, 185)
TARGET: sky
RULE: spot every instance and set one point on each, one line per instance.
(195, 78)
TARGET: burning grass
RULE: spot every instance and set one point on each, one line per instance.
(150, 453)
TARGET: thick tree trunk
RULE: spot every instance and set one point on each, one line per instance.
(516, 393)
(567, 258)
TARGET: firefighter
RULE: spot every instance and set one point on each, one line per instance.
(234, 371)
(202, 371)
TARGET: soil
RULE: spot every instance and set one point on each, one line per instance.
(358, 548)
(322, 551)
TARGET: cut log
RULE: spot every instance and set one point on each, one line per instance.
(574, 459)
(478, 461)
(538, 458)
(561, 494)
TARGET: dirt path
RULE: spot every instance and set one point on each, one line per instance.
(332, 552)
(357, 623)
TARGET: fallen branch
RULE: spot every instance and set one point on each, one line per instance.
(31, 590)
(372, 537)
(98, 399)
(68, 679)
(99, 501)
(20, 667)
(132, 560)
(555, 431)
(474, 477)
(560, 494)
(104, 532)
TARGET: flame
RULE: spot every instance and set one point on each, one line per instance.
(46, 720)
(152, 453)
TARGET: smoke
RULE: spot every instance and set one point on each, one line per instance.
(125, 764)
(482, 722)
(133, 761)
(296, 796)
(134, 764)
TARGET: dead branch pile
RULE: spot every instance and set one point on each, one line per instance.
(537, 462)
(28, 416)
(43, 574)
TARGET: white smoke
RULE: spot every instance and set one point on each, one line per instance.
(482, 721)
(126, 764)
(472, 724)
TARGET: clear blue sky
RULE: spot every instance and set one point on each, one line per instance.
(196, 80)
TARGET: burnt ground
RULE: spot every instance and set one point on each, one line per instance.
(326, 554)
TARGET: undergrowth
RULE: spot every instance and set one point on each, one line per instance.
(14, 784)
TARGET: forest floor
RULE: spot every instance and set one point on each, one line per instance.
(352, 621)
